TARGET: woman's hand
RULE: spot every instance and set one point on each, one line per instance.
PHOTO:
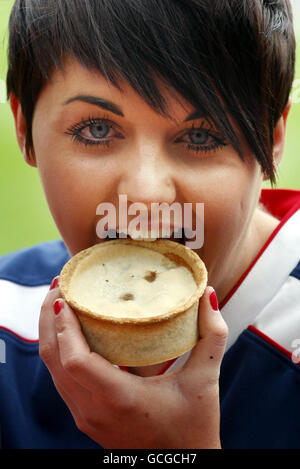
(117, 409)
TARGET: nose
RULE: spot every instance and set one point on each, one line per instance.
(148, 178)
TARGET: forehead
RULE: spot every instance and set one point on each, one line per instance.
(76, 80)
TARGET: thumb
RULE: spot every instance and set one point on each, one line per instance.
(207, 354)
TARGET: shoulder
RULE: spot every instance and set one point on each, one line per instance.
(25, 276)
(279, 319)
(260, 374)
(35, 265)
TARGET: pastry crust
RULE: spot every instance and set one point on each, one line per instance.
(140, 341)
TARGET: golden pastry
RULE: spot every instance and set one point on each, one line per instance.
(137, 302)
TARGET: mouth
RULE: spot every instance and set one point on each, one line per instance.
(178, 236)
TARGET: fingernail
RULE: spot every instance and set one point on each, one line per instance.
(57, 306)
(54, 283)
(213, 301)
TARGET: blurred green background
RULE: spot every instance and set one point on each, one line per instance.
(25, 217)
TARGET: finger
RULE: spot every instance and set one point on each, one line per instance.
(207, 354)
(88, 368)
(48, 344)
(48, 347)
(212, 326)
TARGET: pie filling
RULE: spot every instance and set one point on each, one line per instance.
(130, 282)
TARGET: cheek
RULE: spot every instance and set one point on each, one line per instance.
(70, 175)
(229, 197)
(74, 186)
(225, 217)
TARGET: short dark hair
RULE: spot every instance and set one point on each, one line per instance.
(226, 57)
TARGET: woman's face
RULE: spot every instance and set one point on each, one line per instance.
(87, 155)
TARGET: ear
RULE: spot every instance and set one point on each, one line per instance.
(20, 126)
(279, 136)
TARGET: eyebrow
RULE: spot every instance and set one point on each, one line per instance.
(100, 102)
(115, 109)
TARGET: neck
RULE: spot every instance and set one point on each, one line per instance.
(261, 229)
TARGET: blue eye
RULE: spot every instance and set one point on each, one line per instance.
(99, 130)
(93, 131)
(199, 137)
(202, 140)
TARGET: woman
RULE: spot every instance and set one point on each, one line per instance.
(164, 102)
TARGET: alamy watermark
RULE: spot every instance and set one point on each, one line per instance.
(2, 351)
(295, 345)
(178, 225)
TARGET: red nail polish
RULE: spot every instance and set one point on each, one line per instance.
(54, 283)
(57, 306)
(213, 301)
